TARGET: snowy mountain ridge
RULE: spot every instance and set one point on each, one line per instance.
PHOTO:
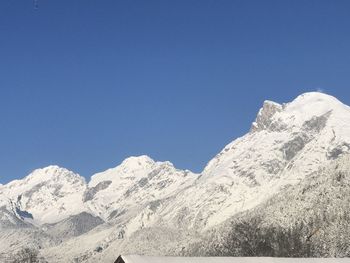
(286, 144)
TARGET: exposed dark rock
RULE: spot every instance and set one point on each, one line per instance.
(338, 150)
(317, 123)
(291, 148)
(264, 118)
(154, 205)
(90, 193)
(142, 182)
(273, 166)
(116, 213)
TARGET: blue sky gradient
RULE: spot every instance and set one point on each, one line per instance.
(85, 84)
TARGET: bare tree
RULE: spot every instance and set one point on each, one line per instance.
(27, 255)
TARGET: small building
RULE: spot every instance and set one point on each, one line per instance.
(155, 259)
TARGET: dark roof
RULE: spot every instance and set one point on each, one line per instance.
(154, 259)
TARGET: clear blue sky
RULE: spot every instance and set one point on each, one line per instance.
(85, 84)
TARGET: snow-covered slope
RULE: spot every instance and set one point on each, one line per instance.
(313, 215)
(286, 144)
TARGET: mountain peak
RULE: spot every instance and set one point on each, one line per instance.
(315, 100)
(52, 168)
(316, 96)
(50, 172)
(274, 116)
(137, 161)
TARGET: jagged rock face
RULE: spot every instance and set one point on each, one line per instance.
(91, 192)
(264, 119)
(286, 145)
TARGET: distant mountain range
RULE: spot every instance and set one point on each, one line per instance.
(289, 176)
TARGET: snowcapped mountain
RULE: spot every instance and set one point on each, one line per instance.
(141, 198)
(46, 195)
(285, 144)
